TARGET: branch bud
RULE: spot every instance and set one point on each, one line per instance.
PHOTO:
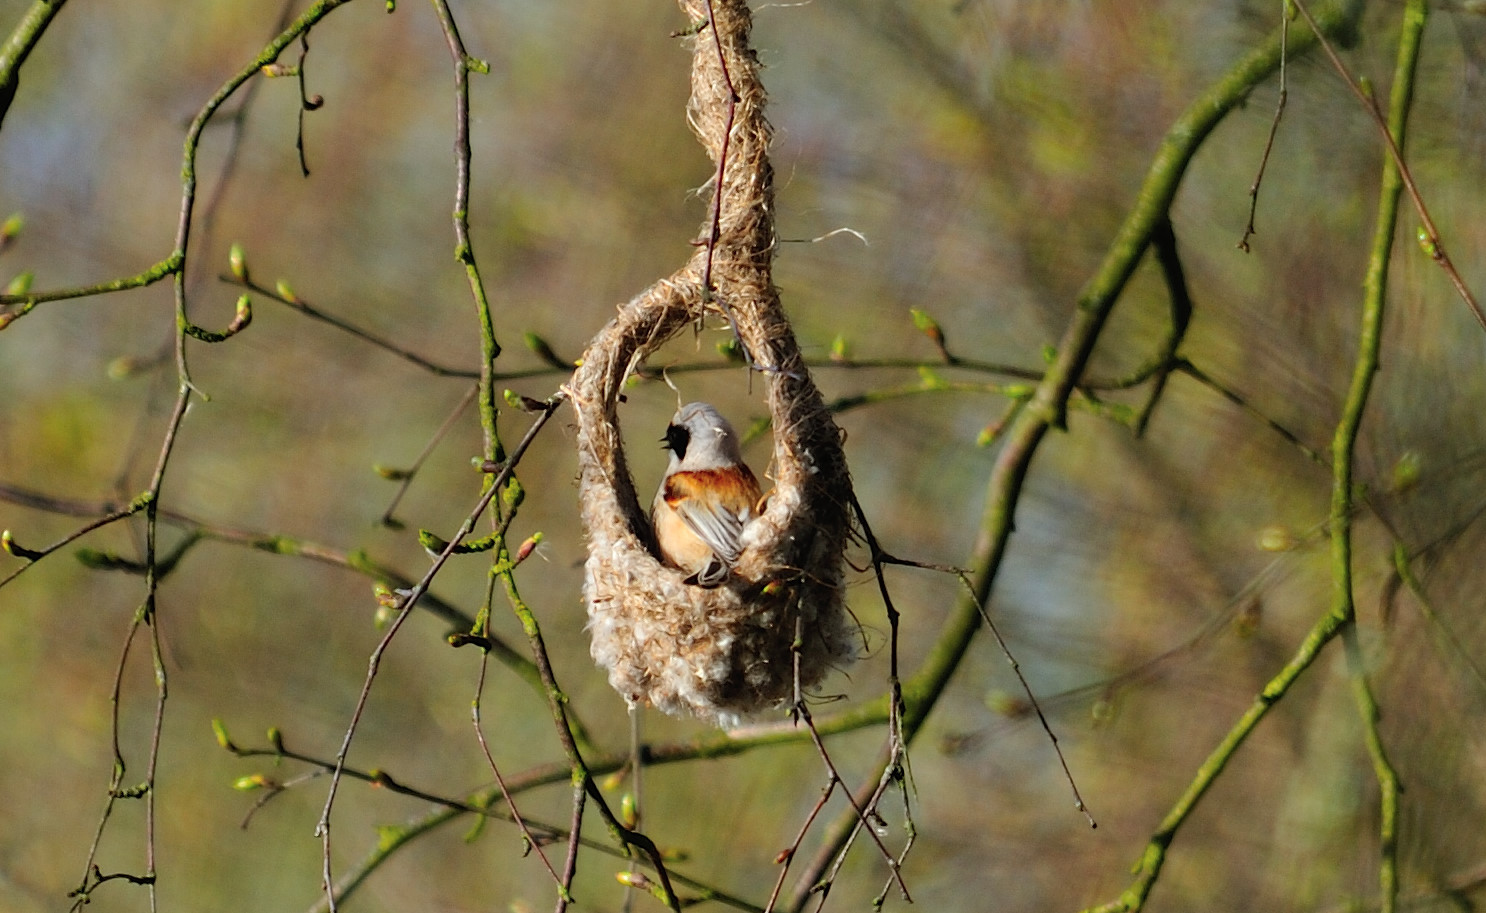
(237, 262)
(542, 350)
(20, 285)
(10, 229)
(219, 729)
(14, 548)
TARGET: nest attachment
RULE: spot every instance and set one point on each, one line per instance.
(778, 624)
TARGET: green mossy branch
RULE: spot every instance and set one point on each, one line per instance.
(1095, 302)
(1375, 293)
(167, 267)
(27, 302)
(1048, 407)
(240, 322)
(23, 39)
(1340, 616)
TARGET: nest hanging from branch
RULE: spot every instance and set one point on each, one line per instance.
(778, 623)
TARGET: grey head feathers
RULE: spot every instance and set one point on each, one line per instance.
(700, 438)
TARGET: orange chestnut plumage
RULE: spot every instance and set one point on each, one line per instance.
(706, 498)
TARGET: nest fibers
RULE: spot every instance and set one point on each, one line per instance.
(778, 623)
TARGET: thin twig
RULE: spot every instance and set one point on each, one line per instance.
(307, 103)
(1274, 129)
(406, 476)
(864, 811)
(292, 300)
(322, 829)
(32, 556)
(1016, 668)
(464, 250)
(483, 804)
(1202, 377)
(637, 791)
(834, 851)
(1403, 570)
(1163, 242)
(787, 855)
(709, 745)
(500, 781)
(1429, 234)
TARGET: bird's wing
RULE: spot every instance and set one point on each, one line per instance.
(719, 528)
(717, 521)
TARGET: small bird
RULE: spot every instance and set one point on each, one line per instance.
(707, 496)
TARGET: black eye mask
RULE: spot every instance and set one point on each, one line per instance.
(676, 440)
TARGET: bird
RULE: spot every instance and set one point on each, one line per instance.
(707, 496)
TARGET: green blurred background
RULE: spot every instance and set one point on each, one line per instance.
(987, 152)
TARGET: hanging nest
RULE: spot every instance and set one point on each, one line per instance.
(778, 624)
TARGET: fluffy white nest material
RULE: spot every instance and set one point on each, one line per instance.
(725, 652)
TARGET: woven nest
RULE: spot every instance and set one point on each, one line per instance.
(778, 623)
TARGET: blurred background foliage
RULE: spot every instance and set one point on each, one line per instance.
(986, 150)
